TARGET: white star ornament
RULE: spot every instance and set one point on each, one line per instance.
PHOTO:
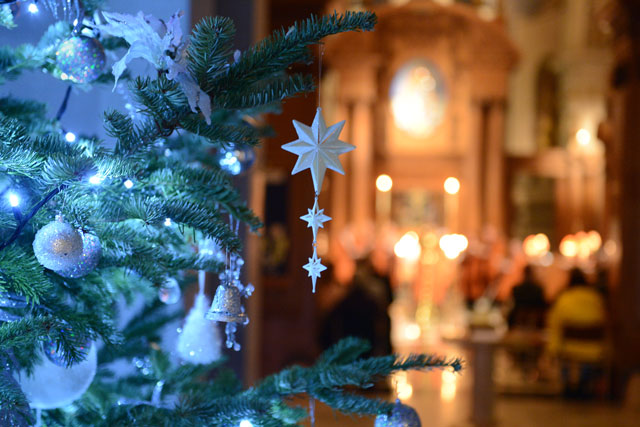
(318, 148)
(314, 268)
(315, 219)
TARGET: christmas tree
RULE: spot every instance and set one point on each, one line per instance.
(86, 224)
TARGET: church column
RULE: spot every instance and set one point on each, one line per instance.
(494, 191)
(471, 183)
(362, 164)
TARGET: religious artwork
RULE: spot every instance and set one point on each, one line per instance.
(418, 98)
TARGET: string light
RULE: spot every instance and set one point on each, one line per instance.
(33, 8)
(70, 137)
(167, 222)
(245, 423)
(128, 184)
(96, 179)
(14, 200)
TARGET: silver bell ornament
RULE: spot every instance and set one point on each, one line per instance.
(80, 59)
(227, 305)
(91, 253)
(58, 246)
(235, 159)
(401, 416)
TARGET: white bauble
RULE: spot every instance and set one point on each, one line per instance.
(58, 246)
(199, 341)
(52, 386)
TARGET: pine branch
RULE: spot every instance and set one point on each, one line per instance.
(25, 220)
(283, 48)
(210, 49)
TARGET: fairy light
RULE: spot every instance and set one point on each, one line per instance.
(167, 222)
(14, 200)
(70, 137)
(128, 184)
(33, 8)
(246, 423)
(96, 179)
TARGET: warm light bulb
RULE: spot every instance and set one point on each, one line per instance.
(412, 331)
(408, 247)
(569, 246)
(70, 137)
(583, 137)
(536, 245)
(14, 200)
(246, 423)
(167, 222)
(451, 185)
(128, 184)
(384, 183)
(452, 245)
(32, 8)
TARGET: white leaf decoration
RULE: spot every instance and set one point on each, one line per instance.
(152, 40)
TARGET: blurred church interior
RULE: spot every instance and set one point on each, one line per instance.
(490, 135)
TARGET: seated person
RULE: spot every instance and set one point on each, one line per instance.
(576, 325)
(529, 304)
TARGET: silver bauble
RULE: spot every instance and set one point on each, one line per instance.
(57, 246)
(91, 253)
(401, 416)
(169, 292)
(56, 355)
(81, 59)
(51, 386)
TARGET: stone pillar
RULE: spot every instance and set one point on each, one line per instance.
(471, 182)
(361, 176)
(494, 190)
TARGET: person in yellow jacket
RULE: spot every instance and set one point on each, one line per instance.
(576, 325)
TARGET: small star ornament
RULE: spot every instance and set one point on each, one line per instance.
(314, 268)
(318, 148)
(315, 219)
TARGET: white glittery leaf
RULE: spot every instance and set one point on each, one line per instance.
(152, 39)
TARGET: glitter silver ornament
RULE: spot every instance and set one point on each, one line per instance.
(56, 354)
(57, 245)
(235, 159)
(80, 59)
(91, 253)
(169, 292)
(227, 306)
(401, 416)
